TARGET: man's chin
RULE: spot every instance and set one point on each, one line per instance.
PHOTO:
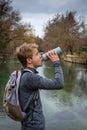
(41, 64)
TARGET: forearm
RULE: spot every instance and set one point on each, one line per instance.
(57, 82)
(37, 81)
(59, 74)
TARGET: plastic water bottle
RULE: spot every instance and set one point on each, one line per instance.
(57, 50)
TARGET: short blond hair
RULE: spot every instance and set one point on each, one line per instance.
(24, 51)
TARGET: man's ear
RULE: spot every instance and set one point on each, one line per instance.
(28, 60)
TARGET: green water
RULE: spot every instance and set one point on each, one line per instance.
(64, 109)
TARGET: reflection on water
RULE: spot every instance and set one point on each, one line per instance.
(64, 109)
(69, 103)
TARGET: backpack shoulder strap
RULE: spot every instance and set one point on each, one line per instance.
(33, 93)
(29, 101)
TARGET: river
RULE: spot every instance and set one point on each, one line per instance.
(64, 109)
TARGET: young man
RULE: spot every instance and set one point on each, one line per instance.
(31, 82)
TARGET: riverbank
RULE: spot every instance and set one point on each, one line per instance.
(76, 59)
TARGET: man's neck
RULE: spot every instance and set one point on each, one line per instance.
(30, 66)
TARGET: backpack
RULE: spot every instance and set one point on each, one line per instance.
(11, 103)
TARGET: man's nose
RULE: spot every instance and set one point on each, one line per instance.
(40, 55)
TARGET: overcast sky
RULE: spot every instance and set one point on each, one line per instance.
(38, 12)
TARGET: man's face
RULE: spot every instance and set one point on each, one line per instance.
(36, 59)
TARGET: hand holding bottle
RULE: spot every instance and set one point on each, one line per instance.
(52, 55)
(46, 56)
